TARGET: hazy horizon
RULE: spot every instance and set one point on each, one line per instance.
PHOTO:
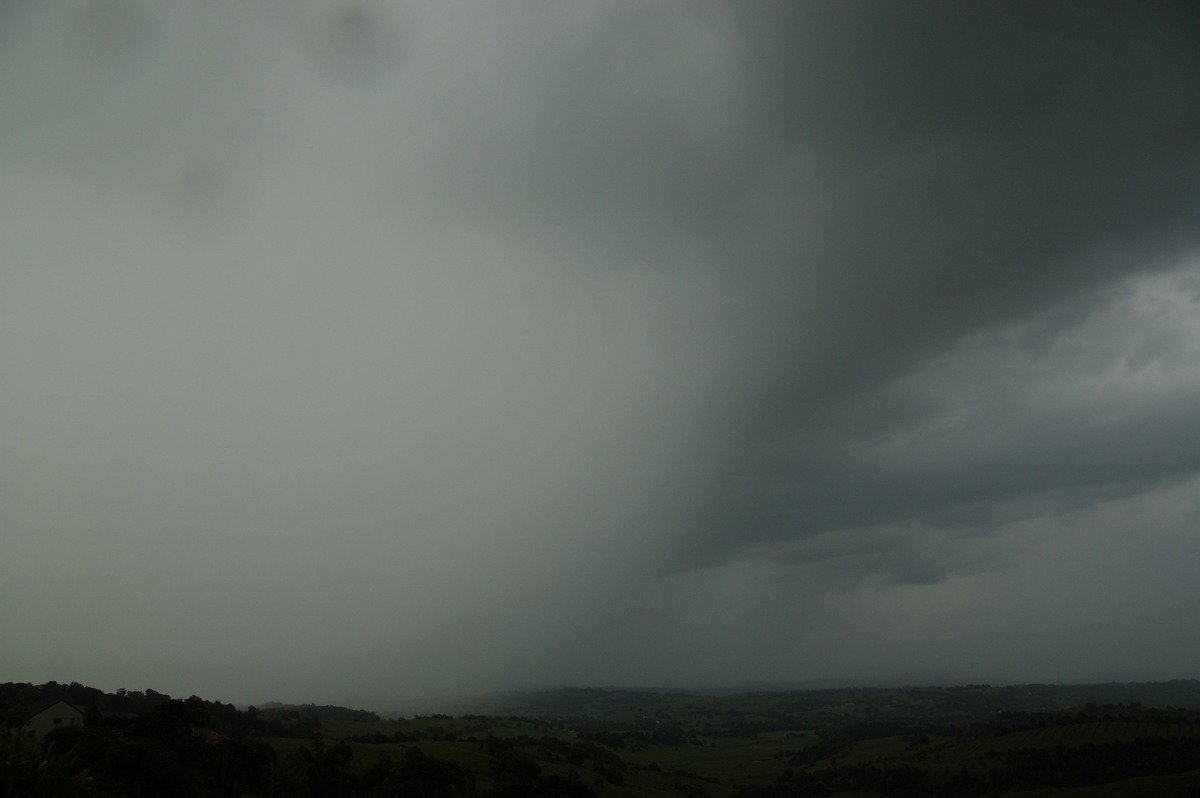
(381, 348)
(485, 701)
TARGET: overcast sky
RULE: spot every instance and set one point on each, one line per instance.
(362, 350)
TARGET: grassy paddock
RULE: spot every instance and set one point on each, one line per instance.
(1172, 785)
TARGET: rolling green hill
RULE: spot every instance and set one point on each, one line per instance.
(1034, 741)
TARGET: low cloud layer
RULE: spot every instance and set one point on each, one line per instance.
(376, 349)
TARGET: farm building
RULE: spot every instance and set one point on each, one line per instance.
(52, 717)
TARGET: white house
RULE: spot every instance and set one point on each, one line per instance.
(55, 716)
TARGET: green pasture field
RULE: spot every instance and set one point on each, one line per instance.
(426, 728)
(721, 766)
(1095, 732)
(470, 755)
(732, 760)
(1172, 785)
(686, 745)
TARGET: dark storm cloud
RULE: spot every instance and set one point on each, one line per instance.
(952, 189)
(970, 167)
(1057, 413)
(591, 342)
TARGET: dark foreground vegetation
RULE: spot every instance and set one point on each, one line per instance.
(1035, 741)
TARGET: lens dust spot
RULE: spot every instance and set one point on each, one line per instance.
(359, 44)
(119, 36)
(207, 200)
